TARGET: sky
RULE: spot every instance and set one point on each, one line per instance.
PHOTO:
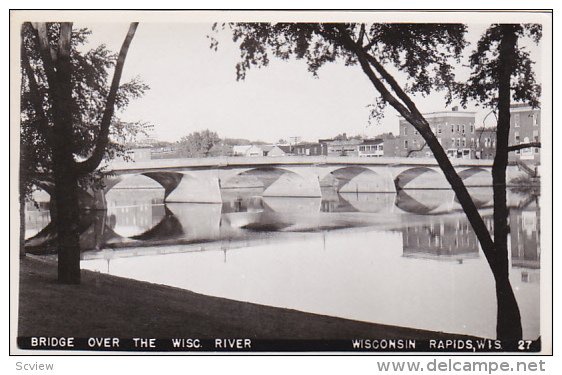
(194, 88)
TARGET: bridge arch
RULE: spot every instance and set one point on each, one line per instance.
(421, 178)
(275, 182)
(358, 179)
(167, 180)
(476, 176)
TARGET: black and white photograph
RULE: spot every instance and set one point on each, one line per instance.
(230, 182)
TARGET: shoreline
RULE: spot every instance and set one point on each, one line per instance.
(110, 306)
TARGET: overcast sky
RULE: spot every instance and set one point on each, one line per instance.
(195, 88)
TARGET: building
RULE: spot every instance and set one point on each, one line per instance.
(287, 149)
(257, 150)
(240, 150)
(347, 147)
(371, 148)
(524, 128)
(455, 131)
(486, 143)
(308, 149)
(272, 150)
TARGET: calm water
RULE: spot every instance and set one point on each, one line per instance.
(410, 259)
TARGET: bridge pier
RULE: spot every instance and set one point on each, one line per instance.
(192, 189)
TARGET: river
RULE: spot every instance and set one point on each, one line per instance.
(409, 259)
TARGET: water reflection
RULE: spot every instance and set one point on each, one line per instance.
(440, 239)
(409, 259)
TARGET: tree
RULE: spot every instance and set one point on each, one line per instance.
(198, 144)
(423, 54)
(67, 114)
(499, 56)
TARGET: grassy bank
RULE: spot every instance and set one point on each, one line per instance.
(109, 306)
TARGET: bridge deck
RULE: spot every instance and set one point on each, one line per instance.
(233, 162)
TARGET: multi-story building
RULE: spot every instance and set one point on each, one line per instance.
(485, 143)
(524, 128)
(455, 131)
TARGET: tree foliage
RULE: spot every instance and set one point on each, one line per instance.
(90, 88)
(482, 88)
(423, 52)
(198, 144)
(71, 118)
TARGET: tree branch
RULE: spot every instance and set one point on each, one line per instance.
(381, 88)
(48, 55)
(410, 152)
(393, 84)
(361, 34)
(419, 123)
(523, 145)
(94, 160)
(35, 95)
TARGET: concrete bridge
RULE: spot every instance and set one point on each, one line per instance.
(201, 180)
(206, 180)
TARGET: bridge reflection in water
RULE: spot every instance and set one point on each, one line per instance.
(409, 259)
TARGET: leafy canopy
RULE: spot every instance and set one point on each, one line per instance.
(482, 85)
(90, 87)
(424, 53)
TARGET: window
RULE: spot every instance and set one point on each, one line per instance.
(535, 119)
(463, 129)
(516, 118)
(458, 142)
(405, 130)
(452, 142)
(471, 142)
(464, 142)
(472, 128)
(477, 142)
(406, 144)
(438, 129)
(452, 128)
(458, 128)
(516, 137)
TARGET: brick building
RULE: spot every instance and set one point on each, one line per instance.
(525, 127)
(455, 131)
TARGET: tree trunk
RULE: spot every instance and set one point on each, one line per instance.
(66, 182)
(67, 219)
(509, 318)
(22, 224)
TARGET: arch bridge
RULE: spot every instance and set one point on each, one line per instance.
(205, 180)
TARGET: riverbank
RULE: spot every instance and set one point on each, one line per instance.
(108, 306)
